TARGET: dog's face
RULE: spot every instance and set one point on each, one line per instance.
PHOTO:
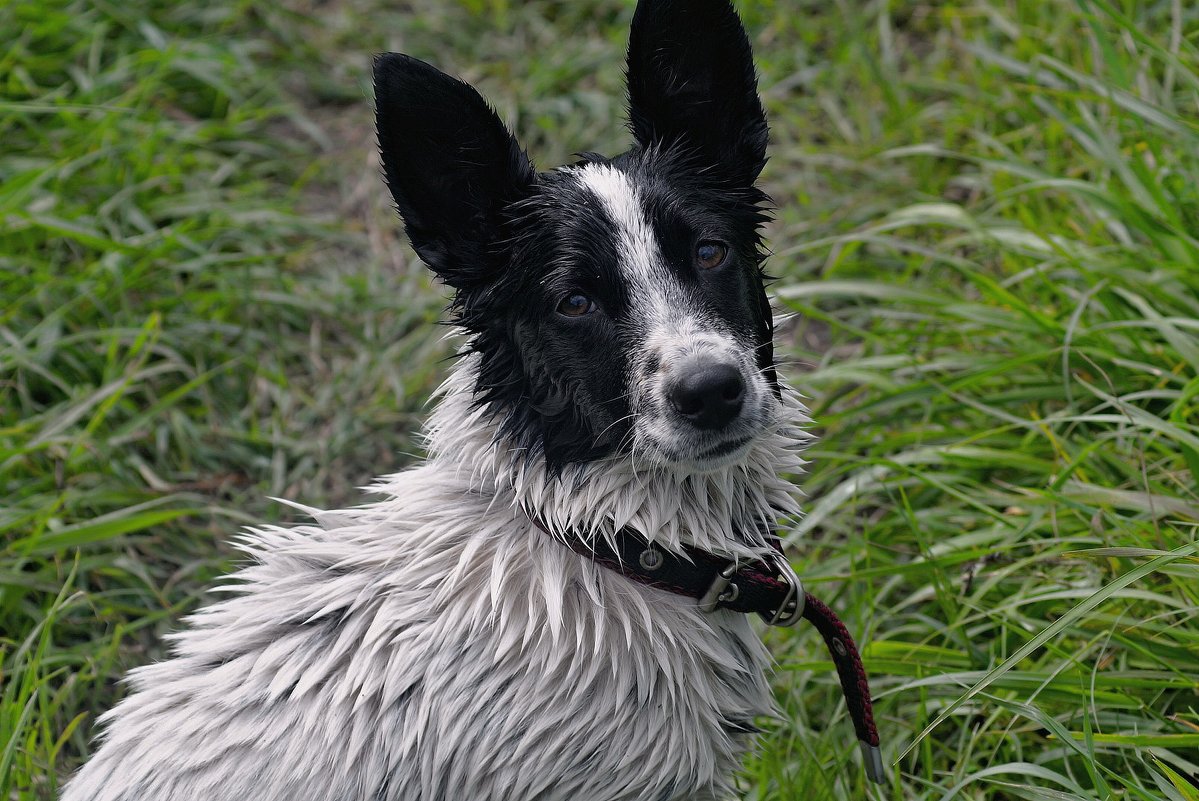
(616, 305)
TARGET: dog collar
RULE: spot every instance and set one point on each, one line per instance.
(769, 588)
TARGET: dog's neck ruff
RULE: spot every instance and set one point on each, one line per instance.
(767, 587)
(727, 510)
(599, 509)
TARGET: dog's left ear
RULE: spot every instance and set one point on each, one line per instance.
(692, 85)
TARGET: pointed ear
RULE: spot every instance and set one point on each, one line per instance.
(450, 163)
(692, 84)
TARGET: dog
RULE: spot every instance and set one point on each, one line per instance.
(473, 633)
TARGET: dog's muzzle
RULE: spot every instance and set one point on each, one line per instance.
(708, 393)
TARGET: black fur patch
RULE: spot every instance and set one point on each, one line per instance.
(513, 243)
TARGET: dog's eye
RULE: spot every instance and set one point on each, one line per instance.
(710, 255)
(576, 305)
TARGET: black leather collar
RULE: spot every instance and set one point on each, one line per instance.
(768, 588)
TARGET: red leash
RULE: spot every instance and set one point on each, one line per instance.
(769, 588)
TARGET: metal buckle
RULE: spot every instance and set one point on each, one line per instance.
(791, 609)
(719, 591)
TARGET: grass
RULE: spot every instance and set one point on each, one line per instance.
(988, 236)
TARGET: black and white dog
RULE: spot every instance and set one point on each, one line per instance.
(466, 638)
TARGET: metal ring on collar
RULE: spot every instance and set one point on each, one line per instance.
(791, 609)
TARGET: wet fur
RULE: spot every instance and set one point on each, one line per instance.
(436, 645)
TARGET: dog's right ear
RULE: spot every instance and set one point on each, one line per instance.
(450, 163)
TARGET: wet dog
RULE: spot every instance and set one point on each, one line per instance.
(616, 374)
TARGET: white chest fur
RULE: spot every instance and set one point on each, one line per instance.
(436, 646)
(404, 655)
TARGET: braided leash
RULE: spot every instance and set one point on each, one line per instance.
(769, 588)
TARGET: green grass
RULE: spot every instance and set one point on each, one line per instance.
(988, 235)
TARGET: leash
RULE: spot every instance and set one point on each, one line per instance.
(768, 588)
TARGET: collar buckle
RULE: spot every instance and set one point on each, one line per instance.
(721, 589)
(791, 609)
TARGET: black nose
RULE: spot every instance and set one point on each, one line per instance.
(709, 394)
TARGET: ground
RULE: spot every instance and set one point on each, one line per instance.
(986, 240)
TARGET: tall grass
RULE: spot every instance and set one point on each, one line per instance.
(1005, 493)
(987, 238)
(180, 337)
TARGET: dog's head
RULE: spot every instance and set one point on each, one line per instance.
(613, 305)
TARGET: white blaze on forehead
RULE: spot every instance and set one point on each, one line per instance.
(638, 248)
(670, 317)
